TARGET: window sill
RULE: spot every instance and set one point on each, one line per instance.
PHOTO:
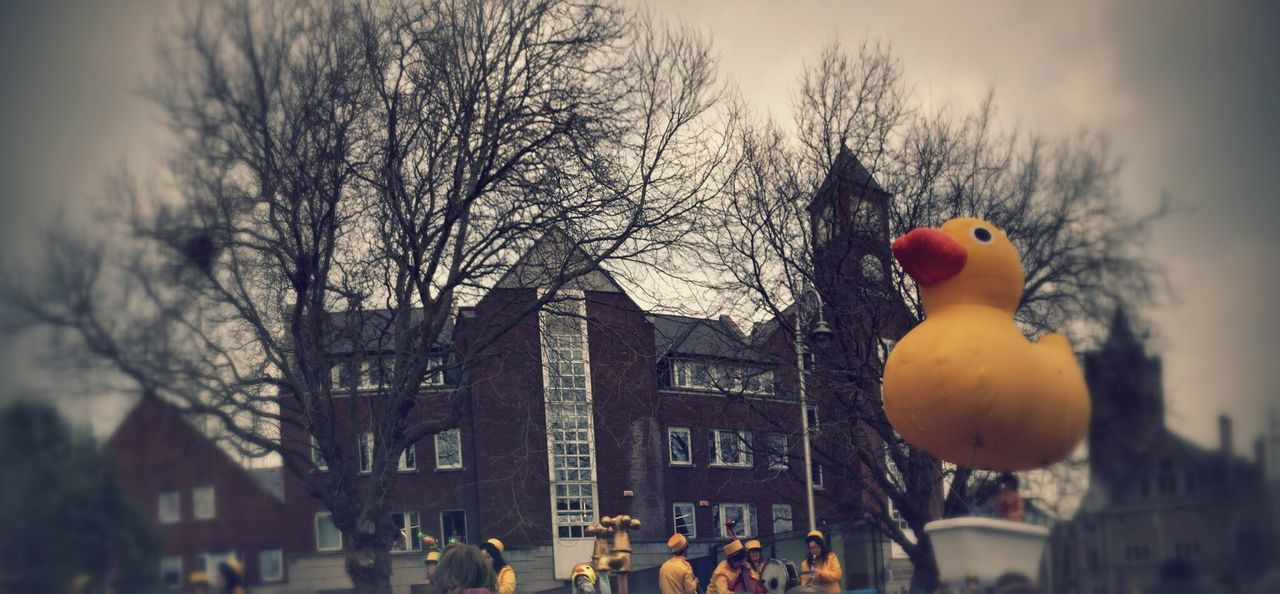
(450, 469)
(680, 464)
(730, 466)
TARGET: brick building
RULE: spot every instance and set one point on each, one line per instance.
(593, 407)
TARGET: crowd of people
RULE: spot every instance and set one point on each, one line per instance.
(743, 565)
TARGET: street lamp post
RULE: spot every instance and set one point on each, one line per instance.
(821, 334)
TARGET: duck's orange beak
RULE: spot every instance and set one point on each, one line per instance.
(929, 256)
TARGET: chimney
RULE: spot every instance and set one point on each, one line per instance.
(1224, 435)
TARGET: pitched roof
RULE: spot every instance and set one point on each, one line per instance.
(553, 255)
(701, 337)
(847, 174)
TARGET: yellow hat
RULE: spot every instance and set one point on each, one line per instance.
(197, 577)
(497, 544)
(732, 548)
(753, 545)
(433, 557)
(815, 534)
(677, 543)
(235, 566)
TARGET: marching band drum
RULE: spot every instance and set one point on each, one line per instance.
(779, 575)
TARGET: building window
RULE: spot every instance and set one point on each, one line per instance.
(453, 525)
(343, 375)
(778, 451)
(575, 509)
(814, 425)
(170, 510)
(685, 520)
(678, 446)
(317, 458)
(202, 503)
(817, 475)
(781, 518)
(407, 524)
(208, 562)
(171, 571)
(568, 409)
(743, 516)
(408, 460)
(449, 449)
(896, 550)
(377, 373)
(434, 375)
(731, 448)
(366, 452)
(271, 565)
(1166, 480)
(328, 537)
(721, 377)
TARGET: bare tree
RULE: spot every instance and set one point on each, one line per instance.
(859, 134)
(390, 160)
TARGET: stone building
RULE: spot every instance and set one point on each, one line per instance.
(1154, 496)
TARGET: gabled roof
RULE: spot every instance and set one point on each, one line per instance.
(153, 418)
(553, 255)
(701, 337)
(847, 174)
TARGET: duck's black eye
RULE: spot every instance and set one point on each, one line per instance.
(982, 234)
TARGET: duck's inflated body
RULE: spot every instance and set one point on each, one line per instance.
(966, 385)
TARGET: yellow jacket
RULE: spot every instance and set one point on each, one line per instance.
(828, 576)
(722, 579)
(676, 577)
(507, 580)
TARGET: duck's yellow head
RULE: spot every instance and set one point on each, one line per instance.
(966, 261)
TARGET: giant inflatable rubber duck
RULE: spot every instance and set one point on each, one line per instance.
(965, 385)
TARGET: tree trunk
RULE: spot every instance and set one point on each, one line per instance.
(924, 575)
(369, 566)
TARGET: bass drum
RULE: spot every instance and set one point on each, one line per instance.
(779, 575)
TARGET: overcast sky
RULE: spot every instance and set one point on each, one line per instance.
(1187, 91)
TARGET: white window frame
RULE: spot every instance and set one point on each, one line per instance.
(317, 459)
(434, 375)
(366, 373)
(319, 547)
(196, 508)
(691, 374)
(444, 534)
(410, 527)
(171, 563)
(278, 576)
(743, 528)
(408, 459)
(778, 452)
(456, 434)
(692, 523)
(208, 562)
(366, 444)
(778, 517)
(744, 449)
(688, 446)
(161, 512)
(817, 476)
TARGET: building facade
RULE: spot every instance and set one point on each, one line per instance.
(1153, 496)
(592, 407)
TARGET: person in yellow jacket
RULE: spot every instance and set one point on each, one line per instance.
(826, 567)
(755, 558)
(506, 575)
(676, 575)
(729, 571)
